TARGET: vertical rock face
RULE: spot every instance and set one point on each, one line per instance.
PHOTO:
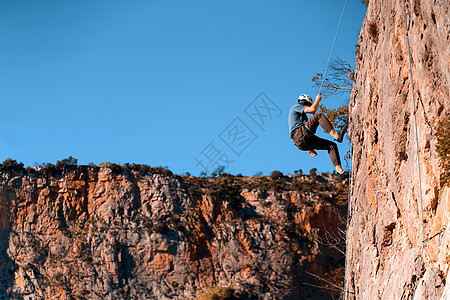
(114, 233)
(385, 231)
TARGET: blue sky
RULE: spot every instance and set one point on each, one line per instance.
(165, 83)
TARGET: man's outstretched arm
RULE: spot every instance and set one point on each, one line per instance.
(313, 108)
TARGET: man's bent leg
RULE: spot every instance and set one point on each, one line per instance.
(323, 144)
(339, 169)
(319, 119)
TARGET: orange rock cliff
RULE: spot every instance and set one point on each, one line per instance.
(80, 232)
(133, 232)
(385, 227)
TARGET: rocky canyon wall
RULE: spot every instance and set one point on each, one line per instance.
(385, 229)
(114, 232)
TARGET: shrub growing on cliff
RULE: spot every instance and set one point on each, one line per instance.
(443, 147)
(11, 165)
(338, 116)
(115, 168)
(67, 163)
(298, 172)
(218, 293)
(218, 171)
(417, 7)
(49, 168)
(402, 155)
(340, 79)
(161, 228)
(161, 170)
(276, 185)
(144, 169)
(137, 167)
(373, 31)
(276, 175)
(358, 52)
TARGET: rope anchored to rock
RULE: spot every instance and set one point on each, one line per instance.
(435, 235)
(417, 152)
(424, 114)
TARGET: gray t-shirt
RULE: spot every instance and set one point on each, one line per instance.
(297, 118)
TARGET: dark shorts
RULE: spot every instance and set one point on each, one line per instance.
(306, 140)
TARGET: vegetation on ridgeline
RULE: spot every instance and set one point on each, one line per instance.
(219, 180)
(277, 182)
(71, 164)
(11, 165)
(276, 192)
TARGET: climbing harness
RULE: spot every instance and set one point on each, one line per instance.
(332, 47)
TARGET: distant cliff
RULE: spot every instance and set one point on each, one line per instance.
(385, 233)
(134, 232)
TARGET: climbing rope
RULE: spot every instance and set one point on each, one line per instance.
(332, 47)
(417, 150)
(418, 161)
(349, 184)
(348, 210)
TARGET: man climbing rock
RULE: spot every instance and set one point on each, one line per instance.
(303, 130)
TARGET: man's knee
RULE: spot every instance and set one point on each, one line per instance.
(320, 115)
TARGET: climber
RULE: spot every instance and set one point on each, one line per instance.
(303, 130)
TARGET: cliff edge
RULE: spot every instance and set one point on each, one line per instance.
(385, 226)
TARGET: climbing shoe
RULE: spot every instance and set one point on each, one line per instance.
(344, 176)
(341, 133)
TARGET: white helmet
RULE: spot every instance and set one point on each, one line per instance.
(305, 99)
